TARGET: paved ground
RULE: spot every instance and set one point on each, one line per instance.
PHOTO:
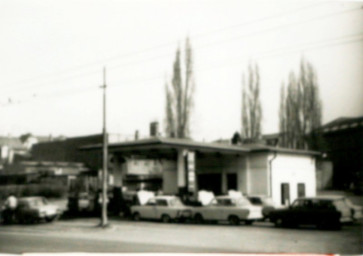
(127, 236)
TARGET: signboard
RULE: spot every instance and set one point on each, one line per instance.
(191, 171)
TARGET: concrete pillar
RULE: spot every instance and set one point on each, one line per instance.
(224, 182)
(181, 168)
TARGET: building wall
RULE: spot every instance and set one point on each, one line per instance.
(223, 164)
(68, 151)
(345, 150)
(292, 169)
(257, 173)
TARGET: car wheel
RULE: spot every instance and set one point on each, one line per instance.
(198, 218)
(233, 220)
(136, 216)
(165, 218)
(278, 222)
(249, 222)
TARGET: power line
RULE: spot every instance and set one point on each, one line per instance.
(263, 55)
(173, 42)
(205, 46)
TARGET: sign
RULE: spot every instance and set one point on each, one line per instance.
(191, 171)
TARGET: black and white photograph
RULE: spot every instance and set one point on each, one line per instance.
(181, 126)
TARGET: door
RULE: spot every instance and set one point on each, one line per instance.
(148, 211)
(285, 193)
(212, 211)
(210, 182)
(232, 181)
(162, 208)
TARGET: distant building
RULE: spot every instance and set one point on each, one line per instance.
(9, 148)
(343, 139)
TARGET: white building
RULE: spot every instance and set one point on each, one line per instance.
(179, 166)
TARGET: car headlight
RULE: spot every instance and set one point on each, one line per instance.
(42, 214)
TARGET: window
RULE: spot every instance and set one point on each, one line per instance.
(285, 193)
(161, 202)
(300, 190)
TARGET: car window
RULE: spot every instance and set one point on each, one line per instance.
(151, 202)
(213, 202)
(225, 202)
(298, 204)
(161, 202)
(324, 204)
(242, 201)
(35, 202)
(255, 200)
(176, 202)
(23, 204)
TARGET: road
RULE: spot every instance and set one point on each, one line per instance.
(82, 235)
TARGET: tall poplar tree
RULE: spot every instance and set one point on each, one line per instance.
(300, 109)
(179, 95)
(251, 105)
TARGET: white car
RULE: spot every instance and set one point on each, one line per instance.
(164, 208)
(227, 208)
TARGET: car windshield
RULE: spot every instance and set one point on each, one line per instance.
(176, 202)
(37, 202)
(241, 201)
(255, 200)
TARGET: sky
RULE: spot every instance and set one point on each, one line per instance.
(53, 54)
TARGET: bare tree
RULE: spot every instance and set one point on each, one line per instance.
(251, 105)
(179, 96)
(300, 110)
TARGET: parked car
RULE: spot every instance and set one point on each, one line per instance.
(323, 212)
(265, 202)
(32, 210)
(227, 208)
(355, 210)
(164, 208)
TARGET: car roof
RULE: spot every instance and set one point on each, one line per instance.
(31, 198)
(324, 197)
(164, 197)
(225, 197)
(259, 196)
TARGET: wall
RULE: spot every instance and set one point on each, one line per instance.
(292, 169)
(257, 173)
(324, 175)
(212, 163)
(68, 151)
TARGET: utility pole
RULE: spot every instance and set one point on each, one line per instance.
(104, 221)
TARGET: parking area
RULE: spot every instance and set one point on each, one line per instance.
(147, 236)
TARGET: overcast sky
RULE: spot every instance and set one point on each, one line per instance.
(52, 55)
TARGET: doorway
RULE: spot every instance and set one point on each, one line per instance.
(285, 193)
(210, 182)
(232, 181)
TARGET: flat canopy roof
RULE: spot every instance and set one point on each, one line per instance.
(158, 143)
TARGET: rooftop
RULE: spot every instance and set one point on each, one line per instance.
(173, 143)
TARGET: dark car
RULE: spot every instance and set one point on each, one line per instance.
(323, 212)
(32, 210)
